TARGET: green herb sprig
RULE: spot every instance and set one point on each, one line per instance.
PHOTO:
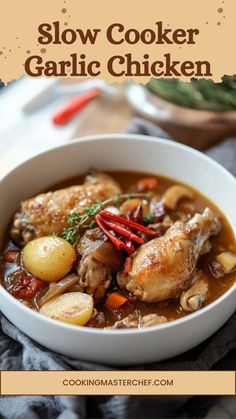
(78, 222)
(148, 218)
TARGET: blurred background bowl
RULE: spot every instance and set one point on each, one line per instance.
(197, 128)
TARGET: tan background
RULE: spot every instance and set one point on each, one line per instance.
(184, 382)
(20, 20)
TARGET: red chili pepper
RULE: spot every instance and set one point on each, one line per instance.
(130, 246)
(136, 215)
(27, 287)
(12, 256)
(128, 265)
(117, 225)
(115, 240)
(129, 223)
(74, 105)
(123, 231)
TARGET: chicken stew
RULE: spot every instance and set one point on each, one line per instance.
(118, 250)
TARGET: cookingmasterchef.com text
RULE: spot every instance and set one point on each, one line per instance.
(119, 382)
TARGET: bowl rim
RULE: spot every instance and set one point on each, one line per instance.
(118, 332)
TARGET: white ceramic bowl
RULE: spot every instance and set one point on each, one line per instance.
(132, 152)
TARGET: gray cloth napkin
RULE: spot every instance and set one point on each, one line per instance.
(224, 153)
(18, 352)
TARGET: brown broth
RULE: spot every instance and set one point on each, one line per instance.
(225, 240)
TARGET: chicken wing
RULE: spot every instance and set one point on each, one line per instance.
(47, 213)
(162, 268)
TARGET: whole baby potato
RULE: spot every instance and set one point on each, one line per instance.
(49, 258)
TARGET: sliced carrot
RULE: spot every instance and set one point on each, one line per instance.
(115, 300)
(147, 184)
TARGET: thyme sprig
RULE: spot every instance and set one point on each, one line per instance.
(148, 218)
(78, 222)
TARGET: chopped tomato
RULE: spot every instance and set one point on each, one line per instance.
(12, 256)
(27, 287)
(147, 184)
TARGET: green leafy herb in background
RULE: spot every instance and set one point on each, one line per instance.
(198, 94)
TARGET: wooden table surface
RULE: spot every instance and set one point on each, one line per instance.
(104, 115)
(107, 115)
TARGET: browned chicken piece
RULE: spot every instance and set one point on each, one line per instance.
(47, 213)
(163, 267)
(100, 259)
(94, 277)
